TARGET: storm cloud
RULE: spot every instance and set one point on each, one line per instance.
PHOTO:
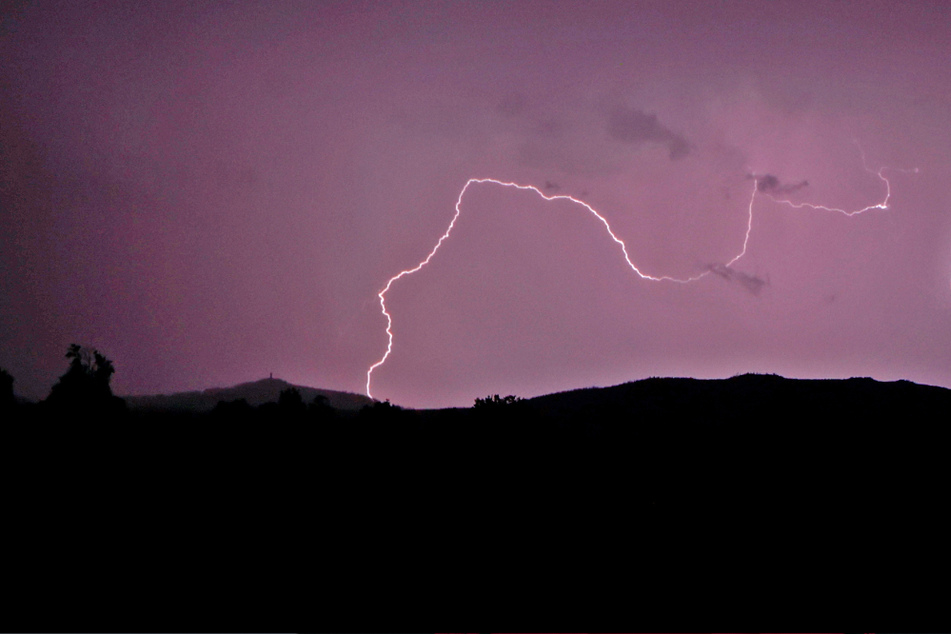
(750, 283)
(769, 184)
(630, 125)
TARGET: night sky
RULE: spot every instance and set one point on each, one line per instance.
(211, 191)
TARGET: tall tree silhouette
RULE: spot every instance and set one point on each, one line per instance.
(84, 388)
(7, 400)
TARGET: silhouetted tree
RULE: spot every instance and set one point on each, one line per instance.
(494, 402)
(291, 404)
(102, 372)
(382, 426)
(84, 388)
(320, 409)
(381, 412)
(7, 400)
(500, 415)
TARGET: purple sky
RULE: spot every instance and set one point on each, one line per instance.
(212, 191)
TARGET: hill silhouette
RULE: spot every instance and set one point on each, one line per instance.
(752, 398)
(760, 447)
(256, 393)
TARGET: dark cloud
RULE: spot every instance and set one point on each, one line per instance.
(551, 185)
(630, 125)
(769, 184)
(751, 283)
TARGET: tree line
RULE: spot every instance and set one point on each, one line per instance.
(84, 391)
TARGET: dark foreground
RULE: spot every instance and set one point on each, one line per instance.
(748, 445)
(828, 483)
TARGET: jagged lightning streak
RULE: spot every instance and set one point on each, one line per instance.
(879, 173)
(473, 181)
(592, 210)
(882, 205)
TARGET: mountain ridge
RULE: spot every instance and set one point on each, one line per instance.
(753, 399)
(256, 393)
(739, 394)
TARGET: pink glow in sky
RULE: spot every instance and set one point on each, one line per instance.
(208, 192)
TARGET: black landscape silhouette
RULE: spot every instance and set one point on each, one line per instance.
(747, 443)
(256, 393)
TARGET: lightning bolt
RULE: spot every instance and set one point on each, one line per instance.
(663, 278)
(882, 205)
(878, 173)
